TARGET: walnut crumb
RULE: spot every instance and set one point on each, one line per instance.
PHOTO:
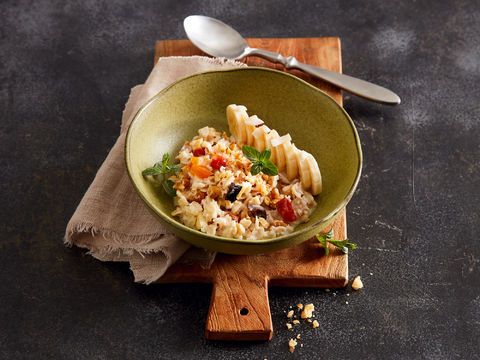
(296, 322)
(291, 345)
(298, 336)
(290, 314)
(289, 326)
(300, 306)
(357, 283)
(307, 311)
(315, 324)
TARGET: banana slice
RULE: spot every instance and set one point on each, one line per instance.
(260, 137)
(236, 117)
(250, 125)
(291, 162)
(278, 145)
(272, 135)
(303, 168)
(315, 176)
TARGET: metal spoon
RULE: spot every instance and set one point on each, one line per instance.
(220, 40)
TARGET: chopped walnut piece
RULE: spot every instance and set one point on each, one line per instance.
(291, 345)
(279, 223)
(296, 322)
(289, 326)
(266, 200)
(214, 192)
(315, 324)
(307, 311)
(275, 194)
(290, 314)
(357, 283)
(300, 306)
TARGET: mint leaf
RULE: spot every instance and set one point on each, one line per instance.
(165, 160)
(251, 153)
(168, 187)
(265, 155)
(256, 168)
(269, 168)
(343, 245)
(323, 241)
(174, 168)
(154, 170)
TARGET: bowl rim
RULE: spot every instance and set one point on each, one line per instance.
(274, 240)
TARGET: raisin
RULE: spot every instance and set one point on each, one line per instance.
(233, 191)
(257, 211)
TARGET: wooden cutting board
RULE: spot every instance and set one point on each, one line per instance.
(239, 308)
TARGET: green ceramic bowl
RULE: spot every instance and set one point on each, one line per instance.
(315, 121)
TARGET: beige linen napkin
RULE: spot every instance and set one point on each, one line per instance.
(111, 220)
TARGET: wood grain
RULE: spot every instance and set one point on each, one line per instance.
(239, 308)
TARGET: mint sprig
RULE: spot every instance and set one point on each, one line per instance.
(343, 245)
(164, 168)
(260, 161)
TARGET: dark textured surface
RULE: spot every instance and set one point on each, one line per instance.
(65, 74)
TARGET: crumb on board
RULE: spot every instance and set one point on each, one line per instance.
(315, 324)
(296, 322)
(298, 336)
(357, 283)
(346, 302)
(289, 326)
(291, 345)
(307, 311)
(290, 314)
(300, 306)
(309, 320)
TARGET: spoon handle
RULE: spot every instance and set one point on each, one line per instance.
(356, 86)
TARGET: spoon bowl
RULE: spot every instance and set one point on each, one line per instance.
(215, 37)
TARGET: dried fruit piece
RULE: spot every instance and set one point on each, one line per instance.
(217, 162)
(233, 191)
(199, 170)
(257, 211)
(199, 151)
(285, 209)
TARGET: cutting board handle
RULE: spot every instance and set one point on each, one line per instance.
(239, 308)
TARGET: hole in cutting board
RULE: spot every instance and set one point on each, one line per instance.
(244, 311)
